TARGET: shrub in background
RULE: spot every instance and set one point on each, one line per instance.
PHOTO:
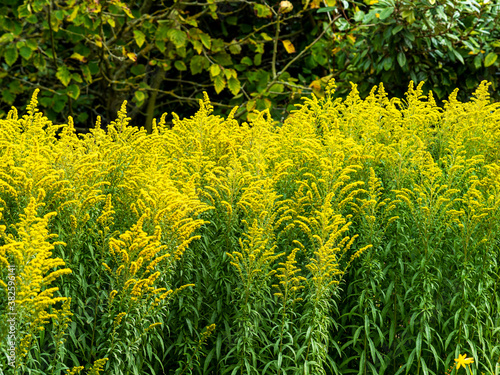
(88, 56)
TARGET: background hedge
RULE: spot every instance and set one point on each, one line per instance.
(87, 56)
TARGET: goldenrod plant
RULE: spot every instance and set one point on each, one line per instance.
(356, 236)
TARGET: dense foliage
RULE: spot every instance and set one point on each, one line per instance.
(358, 236)
(90, 55)
(447, 44)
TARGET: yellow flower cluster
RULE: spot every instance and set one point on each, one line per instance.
(98, 366)
(30, 252)
(134, 203)
(90, 183)
(290, 283)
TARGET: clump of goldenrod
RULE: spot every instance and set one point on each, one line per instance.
(31, 253)
(335, 174)
(98, 366)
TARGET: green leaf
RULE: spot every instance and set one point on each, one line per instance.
(32, 44)
(206, 40)
(409, 16)
(73, 91)
(409, 35)
(477, 61)
(6, 38)
(359, 15)
(218, 45)
(25, 52)
(250, 106)
(235, 48)
(490, 59)
(123, 7)
(458, 55)
(78, 57)
(180, 66)
(219, 83)
(39, 61)
(140, 96)
(162, 32)
(64, 75)
(419, 344)
(86, 73)
(11, 55)
(214, 70)
(234, 85)
(223, 58)
(392, 332)
(471, 82)
(263, 11)
(77, 77)
(8, 97)
(387, 63)
(198, 46)
(59, 102)
(197, 64)
(401, 59)
(59, 14)
(326, 9)
(257, 59)
(356, 335)
(397, 29)
(424, 366)
(138, 69)
(178, 37)
(362, 361)
(139, 37)
(263, 104)
(232, 20)
(266, 37)
(386, 13)
(277, 88)
(247, 61)
(160, 44)
(23, 11)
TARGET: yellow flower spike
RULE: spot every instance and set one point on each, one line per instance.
(73, 222)
(151, 326)
(129, 282)
(118, 319)
(54, 275)
(120, 269)
(112, 296)
(133, 268)
(165, 295)
(158, 290)
(462, 361)
(98, 366)
(107, 267)
(75, 370)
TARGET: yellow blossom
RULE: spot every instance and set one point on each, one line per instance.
(462, 361)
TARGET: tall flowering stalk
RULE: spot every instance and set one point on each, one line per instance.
(29, 250)
(289, 287)
(326, 231)
(253, 263)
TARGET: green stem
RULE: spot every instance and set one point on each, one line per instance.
(275, 45)
(282, 326)
(278, 75)
(52, 34)
(158, 79)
